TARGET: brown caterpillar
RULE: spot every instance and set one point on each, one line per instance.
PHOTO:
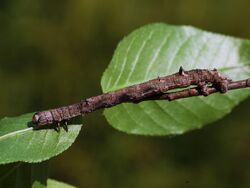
(57, 115)
(135, 93)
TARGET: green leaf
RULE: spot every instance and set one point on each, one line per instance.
(37, 184)
(159, 50)
(18, 142)
(56, 184)
(52, 184)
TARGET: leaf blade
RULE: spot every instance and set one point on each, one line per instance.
(19, 143)
(159, 50)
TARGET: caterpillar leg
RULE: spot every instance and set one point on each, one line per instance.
(203, 88)
(65, 125)
(57, 127)
(222, 86)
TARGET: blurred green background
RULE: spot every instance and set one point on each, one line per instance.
(53, 53)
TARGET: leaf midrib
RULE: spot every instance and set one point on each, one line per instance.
(22, 131)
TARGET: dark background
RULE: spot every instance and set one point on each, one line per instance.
(53, 53)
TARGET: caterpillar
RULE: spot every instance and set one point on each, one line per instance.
(135, 93)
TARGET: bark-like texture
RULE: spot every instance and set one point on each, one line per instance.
(206, 81)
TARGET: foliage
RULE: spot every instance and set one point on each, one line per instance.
(151, 51)
(159, 50)
(52, 184)
(20, 143)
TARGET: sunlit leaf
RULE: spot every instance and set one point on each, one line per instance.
(52, 184)
(159, 50)
(18, 142)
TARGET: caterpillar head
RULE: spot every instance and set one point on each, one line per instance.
(42, 118)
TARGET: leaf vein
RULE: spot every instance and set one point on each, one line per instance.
(156, 55)
(137, 57)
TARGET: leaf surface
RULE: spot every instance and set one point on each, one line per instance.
(159, 50)
(56, 184)
(18, 142)
(52, 184)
